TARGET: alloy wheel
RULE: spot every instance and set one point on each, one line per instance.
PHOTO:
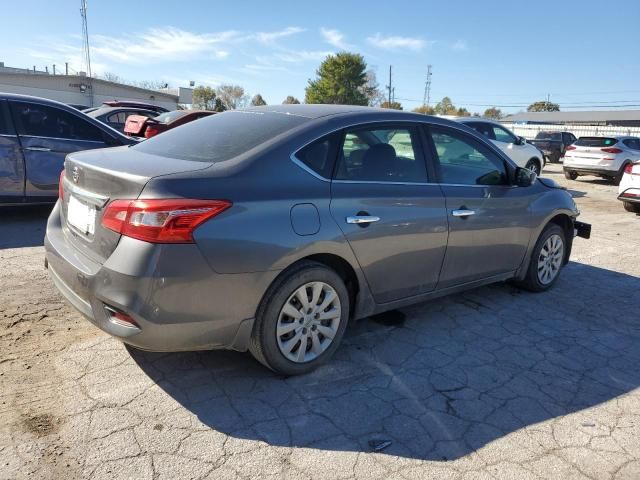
(308, 322)
(550, 259)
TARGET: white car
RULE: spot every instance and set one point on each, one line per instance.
(629, 189)
(522, 153)
(604, 157)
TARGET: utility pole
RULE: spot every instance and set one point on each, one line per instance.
(427, 88)
(393, 95)
(85, 47)
(548, 102)
(54, 68)
(389, 86)
(66, 68)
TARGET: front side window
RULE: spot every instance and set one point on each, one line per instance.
(463, 161)
(381, 155)
(483, 129)
(503, 135)
(119, 117)
(46, 121)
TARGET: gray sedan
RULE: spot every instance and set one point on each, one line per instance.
(270, 229)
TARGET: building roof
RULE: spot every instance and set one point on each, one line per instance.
(575, 117)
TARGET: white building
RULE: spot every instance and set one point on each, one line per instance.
(80, 90)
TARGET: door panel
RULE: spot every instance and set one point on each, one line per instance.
(492, 240)
(47, 134)
(488, 218)
(401, 254)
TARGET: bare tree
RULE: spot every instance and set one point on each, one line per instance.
(232, 96)
(372, 89)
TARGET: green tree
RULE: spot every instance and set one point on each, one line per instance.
(392, 105)
(290, 100)
(493, 112)
(445, 107)
(205, 98)
(232, 96)
(257, 100)
(425, 110)
(341, 79)
(463, 112)
(543, 106)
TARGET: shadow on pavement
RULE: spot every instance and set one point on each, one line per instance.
(451, 377)
(23, 226)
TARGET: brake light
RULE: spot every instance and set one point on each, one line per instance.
(151, 131)
(160, 221)
(628, 168)
(570, 147)
(61, 186)
(611, 150)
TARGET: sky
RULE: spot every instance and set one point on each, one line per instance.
(504, 53)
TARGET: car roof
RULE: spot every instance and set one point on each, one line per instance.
(32, 98)
(104, 110)
(314, 111)
(475, 119)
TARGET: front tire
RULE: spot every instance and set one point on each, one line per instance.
(618, 177)
(547, 260)
(570, 175)
(631, 207)
(534, 166)
(301, 320)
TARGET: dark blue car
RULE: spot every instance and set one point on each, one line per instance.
(35, 136)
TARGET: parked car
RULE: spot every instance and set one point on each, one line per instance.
(116, 117)
(139, 126)
(629, 189)
(35, 136)
(553, 144)
(604, 157)
(271, 228)
(522, 153)
(133, 104)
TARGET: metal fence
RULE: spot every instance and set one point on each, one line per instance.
(530, 131)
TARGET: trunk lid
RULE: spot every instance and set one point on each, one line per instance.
(94, 178)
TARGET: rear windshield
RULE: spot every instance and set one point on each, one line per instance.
(554, 136)
(220, 137)
(595, 142)
(168, 117)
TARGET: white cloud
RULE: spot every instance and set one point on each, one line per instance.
(393, 42)
(270, 37)
(335, 38)
(459, 45)
(293, 56)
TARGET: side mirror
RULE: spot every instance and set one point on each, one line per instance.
(520, 141)
(525, 177)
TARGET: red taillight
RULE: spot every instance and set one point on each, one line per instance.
(151, 131)
(628, 168)
(160, 221)
(611, 150)
(61, 186)
(570, 147)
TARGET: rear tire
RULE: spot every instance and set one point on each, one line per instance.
(547, 260)
(294, 335)
(570, 175)
(631, 207)
(618, 177)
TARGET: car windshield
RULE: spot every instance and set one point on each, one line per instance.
(169, 117)
(554, 136)
(220, 137)
(595, 142)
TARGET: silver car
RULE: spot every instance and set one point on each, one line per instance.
(270, 229)
(606, 157)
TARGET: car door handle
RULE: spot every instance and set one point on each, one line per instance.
(362, 219)
(462, 213)
(38, 149)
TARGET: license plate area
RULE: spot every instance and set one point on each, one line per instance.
(81, 216)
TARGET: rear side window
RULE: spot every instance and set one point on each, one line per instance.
(220, 137)
(45, 121)
(381, 155)
(595, 142)
(6, 126)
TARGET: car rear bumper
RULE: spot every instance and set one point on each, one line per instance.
(176, 301)
(599, 171)
(630, 195)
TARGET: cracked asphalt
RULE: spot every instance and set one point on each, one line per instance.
(493, 383)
